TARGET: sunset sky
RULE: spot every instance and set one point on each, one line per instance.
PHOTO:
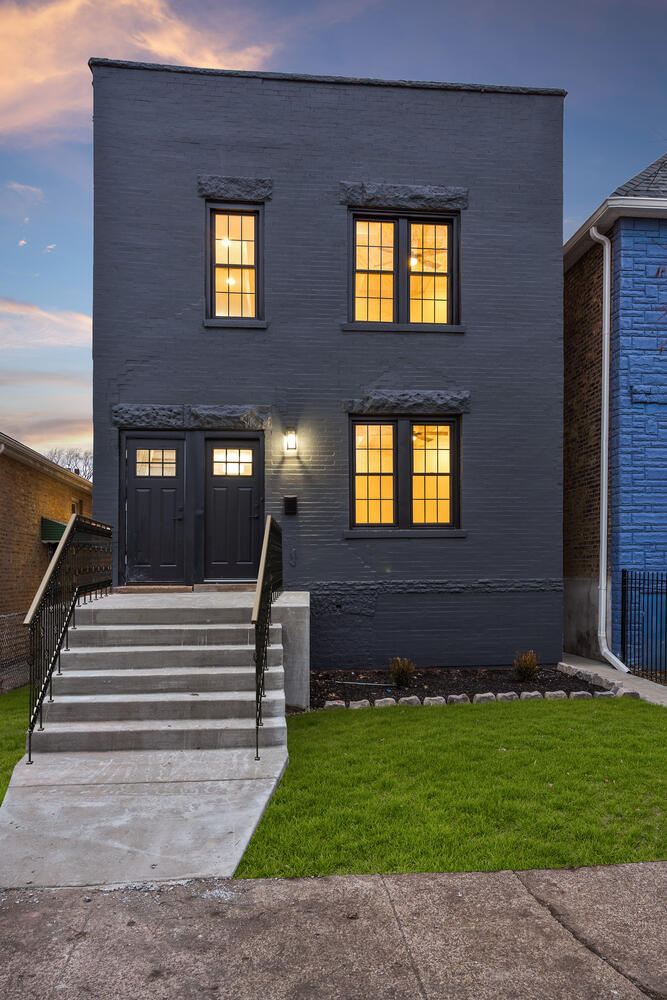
(609, 55)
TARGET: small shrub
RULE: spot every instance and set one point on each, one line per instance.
(401, 670)
(526, 665)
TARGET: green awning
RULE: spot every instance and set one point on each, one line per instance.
(52, 531)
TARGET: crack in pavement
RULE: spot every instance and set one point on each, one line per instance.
(75, 944)
(413, 963)
(588, 944)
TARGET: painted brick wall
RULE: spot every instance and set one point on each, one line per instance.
(639, 402)
(454, 600)
(582, 322)
(26, 495)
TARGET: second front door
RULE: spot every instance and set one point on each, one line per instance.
(233, 508)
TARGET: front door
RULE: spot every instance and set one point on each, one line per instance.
(233, 508)
(155, 507)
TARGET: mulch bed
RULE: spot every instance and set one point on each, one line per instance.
(332, 685)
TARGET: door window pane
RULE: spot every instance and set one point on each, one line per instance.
(232, 462)
(155, 462)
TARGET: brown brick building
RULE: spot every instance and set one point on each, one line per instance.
(31, 487)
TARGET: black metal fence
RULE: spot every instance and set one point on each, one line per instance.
(644, 623)
(269, 585)
(80, 568)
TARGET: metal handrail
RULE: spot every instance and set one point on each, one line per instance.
(269, 586)
(81, 566)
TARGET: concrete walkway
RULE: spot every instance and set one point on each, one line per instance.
(105, 818)
(647, 690)
(569, 934)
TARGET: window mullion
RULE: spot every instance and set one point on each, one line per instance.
(403, 471)
(402, 270)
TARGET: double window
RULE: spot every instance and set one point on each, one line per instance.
(404, 473)
(403, 270)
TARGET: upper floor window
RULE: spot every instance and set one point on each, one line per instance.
(404, 269)
(235, 264)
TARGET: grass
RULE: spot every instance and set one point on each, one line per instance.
(471, 788)
(13, 724)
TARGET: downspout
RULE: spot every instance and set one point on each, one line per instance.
(604, 451)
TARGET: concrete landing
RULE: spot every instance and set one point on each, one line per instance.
(570, 934)
(74, 819)
(647, 690)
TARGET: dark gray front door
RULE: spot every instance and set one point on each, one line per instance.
(233, 509)
(155, 508)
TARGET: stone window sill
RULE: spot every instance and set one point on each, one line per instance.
(237, 324)
(402, 328)
(367, 533)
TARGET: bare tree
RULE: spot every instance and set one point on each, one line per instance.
(73, 459)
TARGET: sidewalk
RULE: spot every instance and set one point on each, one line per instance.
(583, 668)
(566, 934)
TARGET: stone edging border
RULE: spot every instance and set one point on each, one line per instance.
(478, 699)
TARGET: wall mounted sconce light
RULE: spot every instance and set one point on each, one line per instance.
(291, 444)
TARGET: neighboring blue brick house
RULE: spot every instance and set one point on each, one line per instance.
(634, 218)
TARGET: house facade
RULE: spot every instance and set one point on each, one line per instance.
(634, 219)
(36, 495)
(338, 302)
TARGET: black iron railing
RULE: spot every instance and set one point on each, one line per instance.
(79, 570)
(269, 585)
(644, 623)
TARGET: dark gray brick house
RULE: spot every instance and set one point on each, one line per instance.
(339, 302)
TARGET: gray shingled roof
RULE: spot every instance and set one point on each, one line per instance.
(650, 183)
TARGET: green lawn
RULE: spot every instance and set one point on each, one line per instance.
(13, 724)
(466, 788)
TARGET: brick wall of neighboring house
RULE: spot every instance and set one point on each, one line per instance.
(27, 494)
(581, 451)
(639, 403)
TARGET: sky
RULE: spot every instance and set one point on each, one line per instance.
(608, 54)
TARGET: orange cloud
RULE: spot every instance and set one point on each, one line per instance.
(24, 325)
(45, 87)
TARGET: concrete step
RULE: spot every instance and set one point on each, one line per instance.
(159, 679)
(166, 635)
(167, 734)
(142, 657)
(167, 610)
(164, 705)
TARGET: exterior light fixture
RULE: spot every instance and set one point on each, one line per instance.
(291, 445)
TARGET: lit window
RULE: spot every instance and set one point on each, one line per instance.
(235, 264)
(428, 273)
(431, 474)
(404, 473)
(232, 462)
(403, 270)
(156, 461)
(374, 474)
(374, 271)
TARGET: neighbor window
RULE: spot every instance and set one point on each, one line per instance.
(234, 276)
(403, 270)
(404, 473)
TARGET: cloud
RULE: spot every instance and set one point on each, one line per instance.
(45, 88)
(16, 379)
(43, 433)
(22, 243)
(49, 248)
(24, 325)
(25, 190)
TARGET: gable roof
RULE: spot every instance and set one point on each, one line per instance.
(651, 182)
(643, 196)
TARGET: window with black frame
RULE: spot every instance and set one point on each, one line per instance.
(404, 472)
(404, 270)
(234, 264)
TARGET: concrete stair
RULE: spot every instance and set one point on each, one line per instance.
(140, 675)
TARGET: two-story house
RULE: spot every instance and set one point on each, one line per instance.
(337, 301)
